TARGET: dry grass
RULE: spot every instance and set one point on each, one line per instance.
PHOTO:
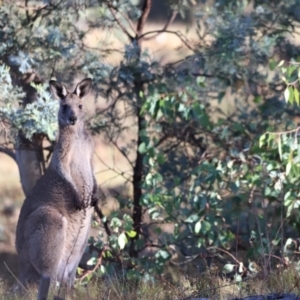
(205, 285)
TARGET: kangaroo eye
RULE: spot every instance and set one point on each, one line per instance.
(64, 107)
(80, 106)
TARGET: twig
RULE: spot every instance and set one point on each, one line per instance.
(27, 8)
(122, 152)
(111, 8)
(14, 276)
(168, 23)
(101, 216)
(193, 257)
(128, 21)
(226, 252)
(98, 264)
(277, 257)
(171, 32)
(284, 132)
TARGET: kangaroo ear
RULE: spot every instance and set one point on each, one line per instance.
(83, 87)
(58, 89)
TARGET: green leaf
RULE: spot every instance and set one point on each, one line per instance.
(131, 233)
(291, 95)
(193, 218)
(200, 80)
(102, 270)
(198, 227)
(279, 147)
(122, 240)
(238, 278)
(288, 242)
(271, 137)
(164, 254)
(288, 168)
(272, 64)
(290, 70)
(287, 94)
(228, 268)
(287, 195)
(296, 95)
(143, 148)
(206, 226)
(92, 261)
(262, 140)
(257, 99)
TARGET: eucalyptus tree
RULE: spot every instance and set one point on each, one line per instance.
(195, 161)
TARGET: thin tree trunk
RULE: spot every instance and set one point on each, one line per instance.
(29, 153)
(137, 190)
(137, 215)
(29, 157)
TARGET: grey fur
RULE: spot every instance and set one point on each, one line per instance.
(55, 218)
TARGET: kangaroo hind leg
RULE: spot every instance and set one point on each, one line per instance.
(46, 229)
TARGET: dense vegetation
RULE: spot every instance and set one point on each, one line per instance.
(211, 138)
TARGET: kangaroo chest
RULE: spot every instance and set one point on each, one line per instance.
(81, 170)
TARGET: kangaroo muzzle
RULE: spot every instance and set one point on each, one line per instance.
(73, 120)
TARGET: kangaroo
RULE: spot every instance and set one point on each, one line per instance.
(54, 221)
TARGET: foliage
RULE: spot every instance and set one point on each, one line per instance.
(37, 117)
(216, 155)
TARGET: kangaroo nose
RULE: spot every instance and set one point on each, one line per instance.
(73, 119)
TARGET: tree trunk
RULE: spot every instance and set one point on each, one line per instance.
(29, 153)
(30, 160)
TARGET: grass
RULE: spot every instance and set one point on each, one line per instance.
(204, 285)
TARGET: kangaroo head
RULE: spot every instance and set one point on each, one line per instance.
(71, 110)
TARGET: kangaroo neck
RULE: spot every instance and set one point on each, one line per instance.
(67, 138)
(70, 132)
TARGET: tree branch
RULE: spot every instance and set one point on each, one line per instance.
(169, 22)
(101, 216)
(97, 265)
(112, 10)
(128, 21)
(28, 8)
(168, 31)
(143, 18)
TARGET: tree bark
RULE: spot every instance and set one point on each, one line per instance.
(29, 153)
(29, 157)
